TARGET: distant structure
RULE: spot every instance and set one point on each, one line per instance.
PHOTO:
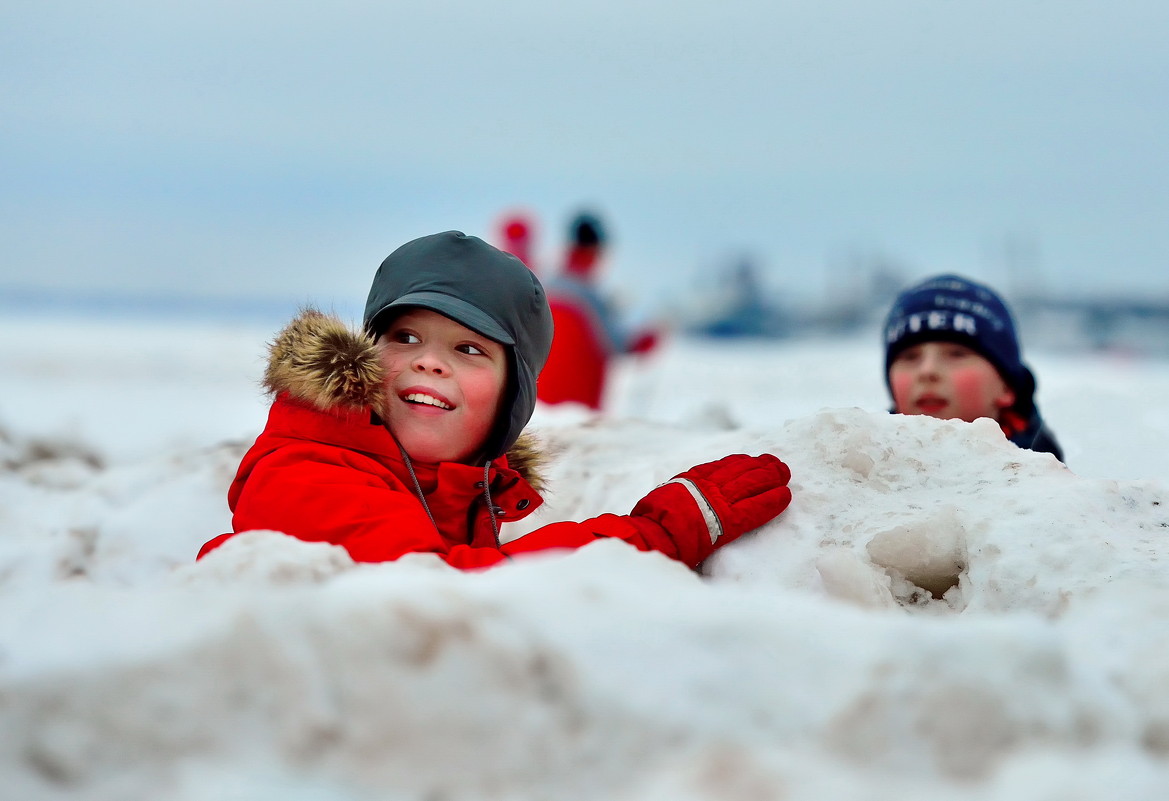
(1135, 322)
(1100, 322)
(740, 305)
(741, 308)
(861, 285)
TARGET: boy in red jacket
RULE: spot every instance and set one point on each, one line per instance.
(407, 437)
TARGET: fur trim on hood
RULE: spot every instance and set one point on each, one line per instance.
(325, 363)
(320, 360)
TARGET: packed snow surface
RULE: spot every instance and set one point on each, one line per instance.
(938, 613)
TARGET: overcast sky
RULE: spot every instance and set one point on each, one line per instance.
(222, 147)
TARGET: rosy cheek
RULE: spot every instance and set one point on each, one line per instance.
(968, 385)
(390, 364)
(902, 383)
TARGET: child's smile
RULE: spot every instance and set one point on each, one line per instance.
(444, 383)
(426, 399)
(931, 404)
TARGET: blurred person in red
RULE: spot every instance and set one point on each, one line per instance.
(517, 236)
(588, 333)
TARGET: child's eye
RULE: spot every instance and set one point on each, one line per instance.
(405, 337)
(473, 350)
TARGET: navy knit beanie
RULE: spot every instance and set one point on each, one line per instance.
(954, 309)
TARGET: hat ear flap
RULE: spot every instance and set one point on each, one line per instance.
(518, 405)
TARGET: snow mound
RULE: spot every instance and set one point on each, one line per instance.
(937, 612)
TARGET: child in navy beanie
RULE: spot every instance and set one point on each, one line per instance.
(951, 351)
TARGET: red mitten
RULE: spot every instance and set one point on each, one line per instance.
(645, 342)
(699, 511)
(744, 492)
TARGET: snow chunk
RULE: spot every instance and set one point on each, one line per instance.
(930, 553)
(269, 557)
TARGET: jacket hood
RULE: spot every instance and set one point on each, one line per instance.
(481, 287)
(322, 362)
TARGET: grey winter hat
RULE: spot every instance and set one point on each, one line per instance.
(489, 291)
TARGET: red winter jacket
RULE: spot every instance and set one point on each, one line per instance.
(578, 362)
(324, 469)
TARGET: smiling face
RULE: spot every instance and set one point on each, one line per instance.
(444, 386)
(948, 381)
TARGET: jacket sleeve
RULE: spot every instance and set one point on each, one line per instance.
(297, 491)
(668, 520)
(344, 502)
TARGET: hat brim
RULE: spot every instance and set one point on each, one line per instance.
(456, 309)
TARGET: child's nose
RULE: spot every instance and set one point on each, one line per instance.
(929, 364)
(430, 362)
